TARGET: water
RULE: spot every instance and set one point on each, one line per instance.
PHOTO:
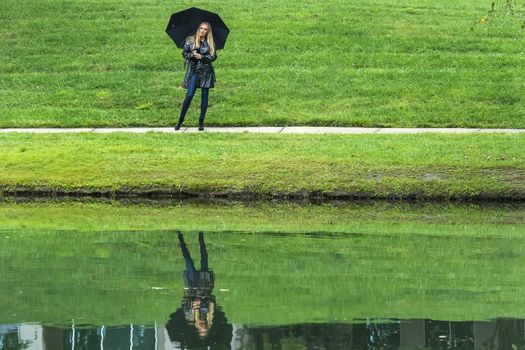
(72, 278)
(370, 334)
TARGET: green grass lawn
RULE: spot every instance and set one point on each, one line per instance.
(490, 166)
(418, 63)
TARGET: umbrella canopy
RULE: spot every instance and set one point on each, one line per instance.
(184, 23)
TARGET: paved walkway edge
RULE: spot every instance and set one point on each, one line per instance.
(264, 130)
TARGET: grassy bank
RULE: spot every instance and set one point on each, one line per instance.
(371, 166)
(419, 63)
(115, 264)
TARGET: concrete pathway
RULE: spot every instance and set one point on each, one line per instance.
(266, 130)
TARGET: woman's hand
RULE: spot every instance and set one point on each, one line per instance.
(197, 56)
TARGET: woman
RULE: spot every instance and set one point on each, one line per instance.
(199, 53)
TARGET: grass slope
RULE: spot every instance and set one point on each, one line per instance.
(418, 63)
(379, 166)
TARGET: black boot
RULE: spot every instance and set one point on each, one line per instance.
(179, 124)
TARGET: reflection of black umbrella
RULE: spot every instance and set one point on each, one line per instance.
(184, 23)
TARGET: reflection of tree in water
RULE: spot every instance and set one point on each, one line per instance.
(449, 335)
(325, 336)
(399, 334)
(508, 334)
(199, 323)
(10, 341)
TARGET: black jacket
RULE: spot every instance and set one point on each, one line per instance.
(203, 67)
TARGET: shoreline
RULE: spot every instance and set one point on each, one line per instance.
(251, 196)
(431, 167)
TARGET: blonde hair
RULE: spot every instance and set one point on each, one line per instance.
(209, 38)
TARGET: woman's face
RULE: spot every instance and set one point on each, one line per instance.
(203, 30)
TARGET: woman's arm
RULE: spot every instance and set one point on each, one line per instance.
(208, 58)
(187, 52)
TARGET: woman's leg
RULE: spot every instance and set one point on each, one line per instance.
(204, 252)
(204, 107)
(192, 87)
(190, 268)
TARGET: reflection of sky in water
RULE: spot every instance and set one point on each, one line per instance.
(368, 334)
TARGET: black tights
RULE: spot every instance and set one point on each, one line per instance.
(192, 87)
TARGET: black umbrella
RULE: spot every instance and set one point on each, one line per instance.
(184, 23)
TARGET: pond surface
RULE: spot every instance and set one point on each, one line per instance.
(374, 279)
(362, 334)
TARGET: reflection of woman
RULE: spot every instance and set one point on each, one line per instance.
(199, 52)
(199, 322)
(197, 283)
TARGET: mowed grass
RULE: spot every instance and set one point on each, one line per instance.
(490, 166)
(418, 63)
